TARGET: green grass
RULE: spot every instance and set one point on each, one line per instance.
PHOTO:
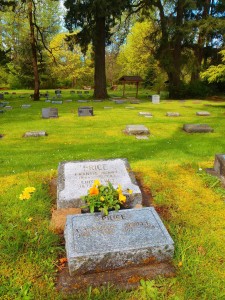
(191, 203)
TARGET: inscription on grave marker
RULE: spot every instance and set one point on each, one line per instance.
(123, 238)
(75, 178)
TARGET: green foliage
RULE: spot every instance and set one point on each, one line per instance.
(215, 73)
(104, 198)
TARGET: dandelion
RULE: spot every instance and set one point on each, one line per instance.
(102, 198)
(29, 189)
(122, 198)
(97, 182)
(29, 219)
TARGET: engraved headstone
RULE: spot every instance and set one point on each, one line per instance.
(125, 238)
(203, 113)
(35, 133)
(172, 114)
(197, 128)
(155, 99)
(76, 177)
(136, 130)
(49, 112)
(85, 111)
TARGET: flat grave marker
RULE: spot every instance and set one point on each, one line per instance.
(136, 130)
(76, 177)
(172, 114)
(85, 111)
(50, 112)
(108, 107)
(57, 102)
(122, 239)
(25, 105)
(203, 113)
(35, 133)
(145, 113)
(8, 107)
(197, 128)
(142, 137)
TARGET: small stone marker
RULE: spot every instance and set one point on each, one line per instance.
(144, 113)
(136, 130)
(8, 107)
(119, 101)
(202, 113)
(142, 137)
(219, 167)
(57, 102)
(129, 107)
(47, 101)
(155, 99)
(97, 100)
(125, 238)
(69, 100)
(35, 133)
(85, 111)
(1, 96)
(25, 106)
(197, 128)
(49, 112)
(108, 107)
(82, 101)
(172, 114)
(76, 177)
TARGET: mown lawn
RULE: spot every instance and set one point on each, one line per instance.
(171, 164)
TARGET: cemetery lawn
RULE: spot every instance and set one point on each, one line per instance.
(170, 164)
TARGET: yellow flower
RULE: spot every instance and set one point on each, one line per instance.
(24, 196)
(180, 264)
(102, 198)
(97, 182)
(119, 189)
(129, 191)
(29, 219)
(29, 189)
(122, 198)
(94, 191)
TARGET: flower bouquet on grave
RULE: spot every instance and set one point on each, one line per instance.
(104, 198)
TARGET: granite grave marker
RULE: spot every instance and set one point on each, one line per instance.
(49, 112)
(76, 177)
(122, 239)
(136, 130)
(85, 111)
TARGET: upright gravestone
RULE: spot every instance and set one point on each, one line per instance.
(85, 111)
(125, 238)
(49, 112)
(155, 99)
(219, 167)
(76, 177)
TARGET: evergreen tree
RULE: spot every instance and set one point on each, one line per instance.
(95, 18)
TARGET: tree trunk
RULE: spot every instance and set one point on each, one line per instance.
(100, 91)
(34, 51)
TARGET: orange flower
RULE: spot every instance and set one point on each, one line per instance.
(94, 191)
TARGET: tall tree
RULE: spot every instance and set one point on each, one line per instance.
(95, 18)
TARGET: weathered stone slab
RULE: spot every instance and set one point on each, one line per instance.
(155, 99)
(8, 107)
(218, 168)
(136, 130)
(85, 111)
(119, 101)
(172, 114)
(202, 113)
(35, 133)
(82, 101)
(197, 128)
(47, 100)
(49, 112)
(142, 137)
(25, 105)
(69, 100)
(57, 102)
(108, 107)
(76, 177)
(124, 238)
(145, 113)
(97, 100)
